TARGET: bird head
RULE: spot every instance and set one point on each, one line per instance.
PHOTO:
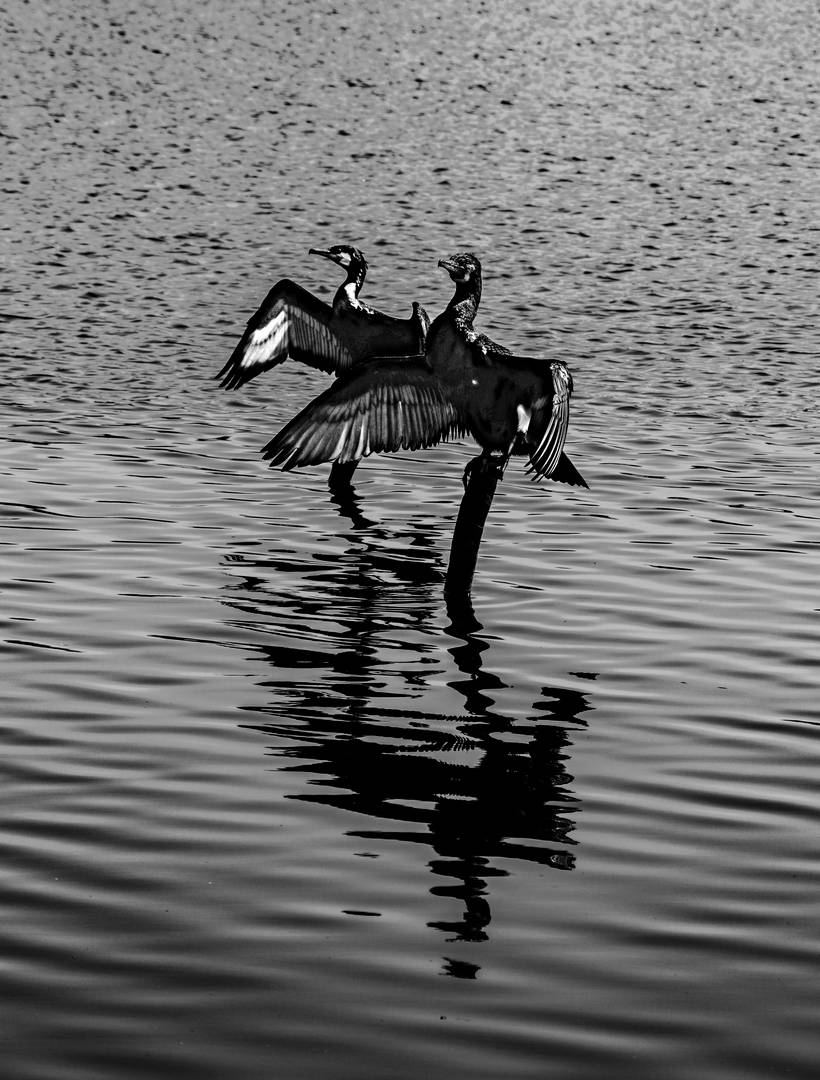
(343, 254)
(463, 267)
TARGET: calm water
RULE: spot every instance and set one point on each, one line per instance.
(268, 811)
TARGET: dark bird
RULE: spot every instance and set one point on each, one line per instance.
(462, 382)
(291, 322)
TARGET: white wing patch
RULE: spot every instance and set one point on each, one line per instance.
(290, 323)
(267, 340)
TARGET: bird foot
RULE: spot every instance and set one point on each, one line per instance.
(483, 463)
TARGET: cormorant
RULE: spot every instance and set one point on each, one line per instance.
(462, 381)
(291, 322)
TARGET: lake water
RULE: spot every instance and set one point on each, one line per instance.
(268, 810)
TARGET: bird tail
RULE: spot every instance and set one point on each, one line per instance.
(566, 473)
(423, 320)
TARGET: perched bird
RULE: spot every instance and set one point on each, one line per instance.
(291, 322)
(462, 382)
(509, 404)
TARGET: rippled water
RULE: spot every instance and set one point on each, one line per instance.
(268, 808)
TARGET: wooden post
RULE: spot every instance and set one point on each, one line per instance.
(483, 474)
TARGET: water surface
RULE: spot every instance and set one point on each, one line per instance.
(268, 808)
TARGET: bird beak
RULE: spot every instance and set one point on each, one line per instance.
(445, 264)
(324, 254)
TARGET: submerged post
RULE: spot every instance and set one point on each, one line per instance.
(482, 476)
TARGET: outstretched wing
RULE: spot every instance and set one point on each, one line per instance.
(543, 393)
(290, 323)
(549, 421)
(383, 406)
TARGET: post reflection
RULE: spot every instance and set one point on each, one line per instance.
(362, 676)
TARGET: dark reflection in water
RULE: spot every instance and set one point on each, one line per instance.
(478, 786)
(344, 496)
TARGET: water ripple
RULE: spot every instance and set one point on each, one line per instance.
(271, 808)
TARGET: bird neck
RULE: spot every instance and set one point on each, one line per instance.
(356, 274)
(348, 291)
(466, 299)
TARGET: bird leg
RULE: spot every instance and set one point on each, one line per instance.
(486, 463)
(506, 459)
(341, 473)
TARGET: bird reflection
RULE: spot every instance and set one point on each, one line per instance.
(349, 504)
(483, 475)
(349, 708)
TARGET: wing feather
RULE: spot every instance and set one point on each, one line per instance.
(544, 391)
(549, 421)
(380, 407)
(290, 322)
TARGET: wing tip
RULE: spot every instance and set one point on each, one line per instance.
(563, 473)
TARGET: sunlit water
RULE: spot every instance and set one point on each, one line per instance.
(268, 810)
